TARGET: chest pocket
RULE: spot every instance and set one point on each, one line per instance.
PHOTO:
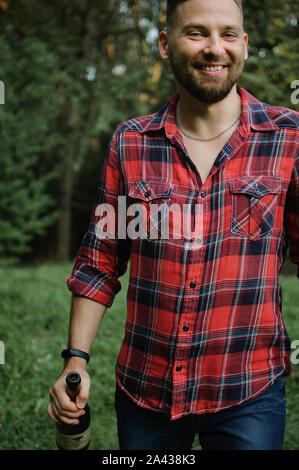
(254, 203)
(151, 200)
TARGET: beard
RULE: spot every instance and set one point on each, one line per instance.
(205, 89)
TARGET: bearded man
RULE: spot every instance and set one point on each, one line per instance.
(205, 349)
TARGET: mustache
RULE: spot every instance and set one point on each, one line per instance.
(210, 59)
(213, 64)
(201, 63)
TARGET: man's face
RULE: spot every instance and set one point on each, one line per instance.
(206, 47)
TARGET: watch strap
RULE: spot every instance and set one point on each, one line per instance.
(70, 352)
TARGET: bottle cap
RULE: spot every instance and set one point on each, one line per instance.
(73, 380)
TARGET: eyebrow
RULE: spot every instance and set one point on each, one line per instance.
(233, 27)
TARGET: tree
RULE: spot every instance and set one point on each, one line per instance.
(82, 39)
(273, 50)
(26, 209)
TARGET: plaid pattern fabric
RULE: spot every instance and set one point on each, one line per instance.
(204, 327)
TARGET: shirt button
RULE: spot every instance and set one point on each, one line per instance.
(203, 194)
(179, 368)
(193, 284)
(147, 194)
(186, 328)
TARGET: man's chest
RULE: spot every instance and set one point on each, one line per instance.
(152, 158)
(242, 190)
(203, 155)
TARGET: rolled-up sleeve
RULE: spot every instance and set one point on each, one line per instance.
(101, 260)
(292, 214)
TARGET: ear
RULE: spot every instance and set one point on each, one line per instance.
(163, 45)
(245, 46)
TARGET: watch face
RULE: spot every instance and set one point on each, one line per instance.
(66, 354)
(75, 352)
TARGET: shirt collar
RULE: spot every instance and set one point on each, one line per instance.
(254, 115)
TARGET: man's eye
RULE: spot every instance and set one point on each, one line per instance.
(230, 35)
(195, 34)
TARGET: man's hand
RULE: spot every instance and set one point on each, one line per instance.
(60, 408)
(86, 316)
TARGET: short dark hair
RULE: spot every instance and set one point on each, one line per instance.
(173, 4)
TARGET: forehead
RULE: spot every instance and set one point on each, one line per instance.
(208, 11)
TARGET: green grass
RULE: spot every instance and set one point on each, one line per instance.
(35, 304)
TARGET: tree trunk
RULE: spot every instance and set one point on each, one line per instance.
(64, 222)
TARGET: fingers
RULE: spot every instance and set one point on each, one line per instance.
(51, 413)
(60, 416)
(60, 408)
(83, 394)
(59, 411)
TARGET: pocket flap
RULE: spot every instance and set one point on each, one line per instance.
(149, 190)
(257, 187)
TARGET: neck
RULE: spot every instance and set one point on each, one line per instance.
(204, 119)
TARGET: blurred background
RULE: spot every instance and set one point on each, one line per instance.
(72, 71)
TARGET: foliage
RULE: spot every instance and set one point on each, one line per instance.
(26, 208)
(273, 50)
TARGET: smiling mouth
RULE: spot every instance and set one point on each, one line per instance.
(214, 69)
(210, 68)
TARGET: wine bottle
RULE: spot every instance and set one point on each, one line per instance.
(74, 436)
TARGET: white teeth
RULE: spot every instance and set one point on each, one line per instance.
(214, 69)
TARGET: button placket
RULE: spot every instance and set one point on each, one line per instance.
(182, 354)
(197, 236)
(185, 327)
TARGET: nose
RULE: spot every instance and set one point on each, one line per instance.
(213, 45)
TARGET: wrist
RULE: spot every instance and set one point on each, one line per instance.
(75, 362)
(72, 352)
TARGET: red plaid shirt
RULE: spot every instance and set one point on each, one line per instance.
(204, 327)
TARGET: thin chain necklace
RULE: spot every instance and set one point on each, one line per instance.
(213, 138)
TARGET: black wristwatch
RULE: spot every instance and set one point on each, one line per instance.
(67, 353)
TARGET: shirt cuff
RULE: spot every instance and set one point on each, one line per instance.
(89, 282)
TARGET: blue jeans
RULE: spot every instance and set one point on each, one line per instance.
(257, 424)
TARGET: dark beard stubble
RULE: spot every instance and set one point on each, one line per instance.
(197, 88)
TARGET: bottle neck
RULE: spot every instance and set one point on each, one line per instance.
(72, 393)
(73, 381)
